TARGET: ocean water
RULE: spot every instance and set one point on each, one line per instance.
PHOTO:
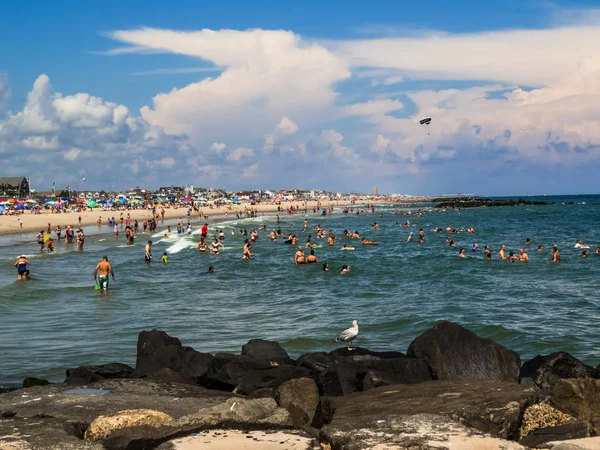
(396, 290)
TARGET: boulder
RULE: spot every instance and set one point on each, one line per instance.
(455, 353)
(545, 371)
(157, 350)
(271, 350)
(493, 407)
(317, 362)
(90, 374)
(542, 415)
(410, 431)
(572, 430)
(340, 378)
(301, 398)
(246, 375)
(103, 426)
(364, 353)
(579, 397)
(30, 381)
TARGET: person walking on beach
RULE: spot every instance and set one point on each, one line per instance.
(103, 268)
(21, 265)
(148, 250)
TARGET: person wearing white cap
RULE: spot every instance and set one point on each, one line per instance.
(21, 265)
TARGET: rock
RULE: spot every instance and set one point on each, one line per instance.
(103, 426)
(90, 374)
(30, 382)
(591, 443)
(173, 399)
(455, 353)
(363, 352)
(317, 362)
(545, 371)
(157, 350)
(542, 415)
(234, 413)
(387, 372)
(271, 350)
(418, 432)
(493, 407)
(247, 375)
(340, 378)
(579, 397)
(301, 398)
(170, 376)
(572, 430)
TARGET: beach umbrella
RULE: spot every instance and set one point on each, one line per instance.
(123, 200)
(102, 202)
(31, 201)
(65, 199)
(11, 200)
(92, 203)
(81, 200)
(50, 202)
(20, 206)
(234, 200)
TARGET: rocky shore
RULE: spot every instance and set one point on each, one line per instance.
(451, 390)
(478, 202)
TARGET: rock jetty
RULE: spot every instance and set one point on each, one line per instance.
(451, 390)
(478, 202)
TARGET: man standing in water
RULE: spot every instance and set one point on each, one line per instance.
(204, 230)
(101, 273)
(148, 250)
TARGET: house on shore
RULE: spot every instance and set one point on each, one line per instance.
(14, 187)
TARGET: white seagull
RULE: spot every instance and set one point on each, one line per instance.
(349, 335)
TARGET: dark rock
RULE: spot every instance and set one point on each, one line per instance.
(30, 381)
(455, 353)
(494, 407)
(271, 350)
(545, 371)
(477, 202)
(579, 397)
(44, 433)
(317, 362)
(157, 350)
(247, 375)
(301, 398)
(170, 376)
(364, 353)
(340, 378)
(90, 374)
(387, 372)
(573, 430)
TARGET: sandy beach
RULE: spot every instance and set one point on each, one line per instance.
(33, 223)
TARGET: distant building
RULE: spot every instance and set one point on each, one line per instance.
(375, 191)
(14, 187)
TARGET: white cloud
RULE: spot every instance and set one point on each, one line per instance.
(530, 57)
(286, 127)
(72, 154)
(381, 145)
(251, 171)
(240, 153)
(217, 147)
(267, 75)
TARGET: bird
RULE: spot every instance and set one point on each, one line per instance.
(349, 335)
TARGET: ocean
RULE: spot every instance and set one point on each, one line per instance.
(395, 290)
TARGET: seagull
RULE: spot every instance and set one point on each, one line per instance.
(349, 335)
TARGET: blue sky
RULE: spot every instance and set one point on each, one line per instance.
(334, 87)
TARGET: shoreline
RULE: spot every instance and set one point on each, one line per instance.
(33, 223)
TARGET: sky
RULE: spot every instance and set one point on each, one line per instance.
(265, 94)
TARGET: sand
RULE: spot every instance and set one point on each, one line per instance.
(33, 223)
(238, 440)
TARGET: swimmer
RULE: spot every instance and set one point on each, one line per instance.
(527, 241)
(312, 258)
(475, 248)
(103, 268)
(345, 247)
(598, 251)
(325, 267)
(410, 237)
(201, 246)
(246, 253)
(512, 257)
(21, 264)
(148, 251)
(502, 253)
(421, 236)
(486, 250)
(579, 244)
(523, 257)
(211, 269)
(555, 255)
(488, 256)
(584, 254)
(451, 243)
(299, 257)
(165, 258)
(540, 248)
(345, 269)
(461, 253)
(215, 245)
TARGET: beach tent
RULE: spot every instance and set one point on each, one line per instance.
(92, 203)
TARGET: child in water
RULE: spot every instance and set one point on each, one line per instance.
(165, 258)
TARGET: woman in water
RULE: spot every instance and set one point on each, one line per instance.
(345, 269)
(21, 265)
(325, 267)
(461, 253)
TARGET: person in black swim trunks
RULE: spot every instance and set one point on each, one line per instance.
(21, 265)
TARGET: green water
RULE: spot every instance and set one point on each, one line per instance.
(396, 290)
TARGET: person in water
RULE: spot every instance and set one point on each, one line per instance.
(165, 258)
(540, 248)
(103, 268)
(555, 255)
(502, 251)
(523, 256)
(215, 246)
(299, 257)
(345, 269)
(312, 258)
(584, 254)
(148, 251)
(246, 253)
(461, 253)
(325, 267)
(488, 256)
(211, 269)
(21, 264)
(512, 257)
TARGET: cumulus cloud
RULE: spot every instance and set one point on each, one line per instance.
(286, 127)
(217, 147)
(240, 153)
